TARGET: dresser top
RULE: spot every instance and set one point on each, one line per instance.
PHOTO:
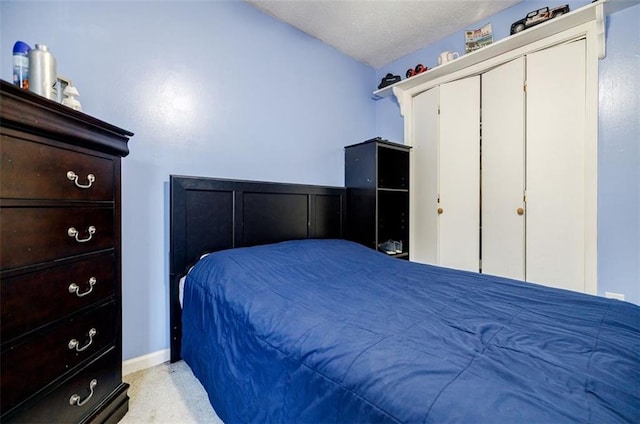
(29, 112)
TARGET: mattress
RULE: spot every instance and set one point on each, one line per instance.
(331, 331)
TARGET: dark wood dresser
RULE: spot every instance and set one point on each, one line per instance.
(60, 276)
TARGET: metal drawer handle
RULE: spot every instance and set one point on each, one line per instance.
(73, 343)
(74, 177)
(75, 399)
(74, 288)
(74, 233)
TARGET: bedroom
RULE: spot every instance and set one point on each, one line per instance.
(230, 92)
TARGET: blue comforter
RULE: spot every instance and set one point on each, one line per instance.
(316, 331)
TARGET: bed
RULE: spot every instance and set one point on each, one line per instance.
(287, 322)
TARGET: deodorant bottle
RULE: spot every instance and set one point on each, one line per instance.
(42, 72)
(21, 64)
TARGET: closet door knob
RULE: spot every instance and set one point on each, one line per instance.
(520, 211)
(440, 211)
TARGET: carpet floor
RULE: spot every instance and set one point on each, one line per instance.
(167, 393)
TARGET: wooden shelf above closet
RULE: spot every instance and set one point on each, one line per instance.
(591, 12)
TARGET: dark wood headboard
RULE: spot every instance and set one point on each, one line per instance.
(209, 214)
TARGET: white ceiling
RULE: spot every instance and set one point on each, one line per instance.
(377, 32)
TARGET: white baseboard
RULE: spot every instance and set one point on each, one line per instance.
(145, 361)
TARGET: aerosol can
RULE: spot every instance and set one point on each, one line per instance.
(21, 64)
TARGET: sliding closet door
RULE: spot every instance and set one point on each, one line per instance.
(555, 245)
(503, 170)
(459, 175)
(424, 182)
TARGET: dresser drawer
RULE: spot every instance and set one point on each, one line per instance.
(32, 170)
(56, 407)
(35, 235)
(32, 364)
(31, 300)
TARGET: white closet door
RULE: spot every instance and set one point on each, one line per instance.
(503, 170)
(555, 245)
(425, 177)
(459, 175)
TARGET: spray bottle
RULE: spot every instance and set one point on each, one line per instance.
(21, 64)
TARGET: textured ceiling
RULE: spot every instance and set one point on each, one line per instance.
(377, 32)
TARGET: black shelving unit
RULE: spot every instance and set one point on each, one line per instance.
(377, 181)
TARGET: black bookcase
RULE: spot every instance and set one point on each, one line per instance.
(377, 181)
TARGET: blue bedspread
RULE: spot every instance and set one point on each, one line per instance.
(317, 331)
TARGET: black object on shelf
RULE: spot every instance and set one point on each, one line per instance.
(537, 17)
(388, 80)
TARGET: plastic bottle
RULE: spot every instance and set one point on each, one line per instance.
(42, 72)
(21, 64)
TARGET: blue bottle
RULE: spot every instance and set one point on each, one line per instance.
(21, 64)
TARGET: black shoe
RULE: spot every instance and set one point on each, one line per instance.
(388, 80)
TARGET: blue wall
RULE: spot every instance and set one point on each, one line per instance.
(210, 88)
(619, 135)
(217, 88)
(619, 158)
